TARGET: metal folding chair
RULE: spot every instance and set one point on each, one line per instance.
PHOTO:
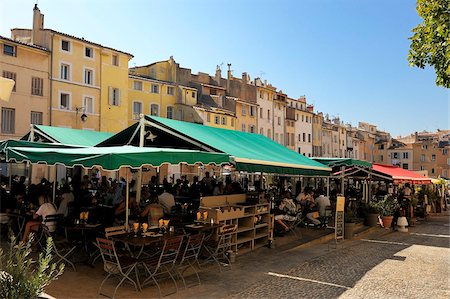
(117, 266)
(189, 258)
(217, 250)
(164, 263)
(62, 248)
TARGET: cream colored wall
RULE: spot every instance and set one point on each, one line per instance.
(27, 63)
(71, 116)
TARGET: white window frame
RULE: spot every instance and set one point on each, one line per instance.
(243, 110)
(251, 110)
(136, 84)
(12, 124)
(39, 114)
(170, 88)
(14, 50)
(157, 87)
(111, 98)
(60, 92)
(88, 69)
(224, 121)
(216, 119)
(70, 46)
(61, 63)
(136, 114)
(12, 76)
(92, 52)
(243, 127)
(86, 110)
(37, 90)
(171, 108)
(117, 59)
(151, 108)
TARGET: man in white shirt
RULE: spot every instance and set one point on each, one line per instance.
(167, 200)
(44, 210)
(322, 202)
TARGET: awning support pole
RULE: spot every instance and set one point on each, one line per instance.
(328, 187)
(127, 191)
(141, 144)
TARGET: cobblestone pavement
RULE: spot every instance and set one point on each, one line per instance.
(382, 265)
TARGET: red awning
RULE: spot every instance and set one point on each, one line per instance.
(400, 175)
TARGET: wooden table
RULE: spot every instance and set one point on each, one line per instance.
(142, 241)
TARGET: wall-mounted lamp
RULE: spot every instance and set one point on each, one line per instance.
(83, 116)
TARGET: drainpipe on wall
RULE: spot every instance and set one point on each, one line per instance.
(51, 81)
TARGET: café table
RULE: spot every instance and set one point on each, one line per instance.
(85, 229)
(140, 240)
(205, 228)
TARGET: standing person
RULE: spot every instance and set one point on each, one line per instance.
(207, 182)
(66, 198)
(44, 210)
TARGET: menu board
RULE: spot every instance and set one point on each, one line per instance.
(339, 225)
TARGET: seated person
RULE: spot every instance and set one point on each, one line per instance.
(120, 211)
(309, 207)
(166, 200)
(44, 210)
(153, 210)
(285, 212)
(322, 203)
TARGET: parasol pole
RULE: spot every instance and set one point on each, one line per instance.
(127, 191)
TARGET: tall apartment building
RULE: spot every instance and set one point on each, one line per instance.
(304, 127)
(430, 152)
(242, 93)
(28, 65)
(317, 148)
(265, 94)
(88, 86)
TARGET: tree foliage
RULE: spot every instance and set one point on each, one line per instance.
(430, 44)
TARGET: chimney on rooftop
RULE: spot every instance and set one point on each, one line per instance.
(218, 75)
(229, 76)
(38, 25)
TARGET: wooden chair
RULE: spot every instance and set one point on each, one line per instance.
(164, 263)
(117, 266)
(114, 230)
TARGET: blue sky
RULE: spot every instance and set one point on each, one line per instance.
(349, 57)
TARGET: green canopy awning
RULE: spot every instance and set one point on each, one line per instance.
(252, 152)
(68, 136)
(22, 143)
(112, 158)
(334, 162)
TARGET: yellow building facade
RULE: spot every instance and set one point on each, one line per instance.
(88, 82)
(246, 116)
(150, 96)
(216, 118)
(28, 66)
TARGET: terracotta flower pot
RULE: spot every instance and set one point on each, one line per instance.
(387, 221)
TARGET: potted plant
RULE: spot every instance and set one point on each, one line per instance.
(386, 208)
(371, 213)
(23, 277)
